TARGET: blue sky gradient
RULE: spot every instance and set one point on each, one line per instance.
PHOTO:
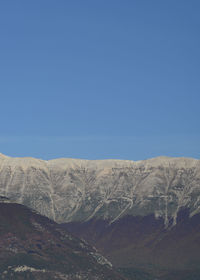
(100, 79)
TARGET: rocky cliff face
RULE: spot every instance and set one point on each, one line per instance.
(79, 190)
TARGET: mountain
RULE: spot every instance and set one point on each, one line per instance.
(34, 247)
(135, 213)
(142, 248)
(79, 190)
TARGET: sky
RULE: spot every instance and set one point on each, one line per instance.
(98, 79)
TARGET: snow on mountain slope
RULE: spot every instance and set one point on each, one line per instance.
(78, 190)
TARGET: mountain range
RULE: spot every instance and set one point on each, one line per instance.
(143, 216)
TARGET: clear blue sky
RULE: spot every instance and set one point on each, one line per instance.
(100, 79)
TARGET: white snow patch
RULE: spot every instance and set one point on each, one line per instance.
(24, 268)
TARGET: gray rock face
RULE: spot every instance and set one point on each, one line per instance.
(78, 190)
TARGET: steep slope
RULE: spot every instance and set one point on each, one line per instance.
(34, 247)
(79, 190)
(143, 248)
